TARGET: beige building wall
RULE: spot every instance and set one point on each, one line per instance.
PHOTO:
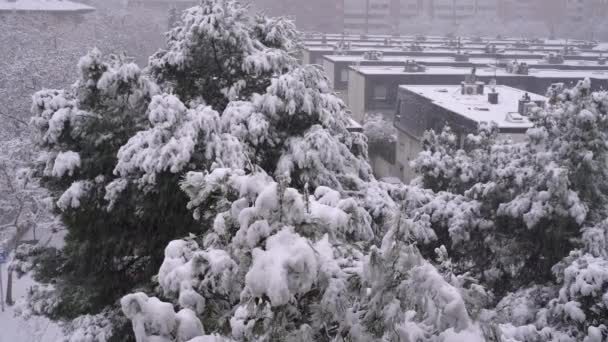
(382, 168)
(328, 66)
(407, 150)
(356, 95)
(306, 57)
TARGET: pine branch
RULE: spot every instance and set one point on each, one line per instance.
(23, 122)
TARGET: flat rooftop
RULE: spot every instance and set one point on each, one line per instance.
(433, 70)
(487, 71)
(477, 107)
(328, 48)
(470, 39)
(421, 59)
(443, 59)
(50, 6)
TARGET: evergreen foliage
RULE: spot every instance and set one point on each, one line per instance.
(237, 163)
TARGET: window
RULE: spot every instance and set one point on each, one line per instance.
(380, 92)
(344, 75)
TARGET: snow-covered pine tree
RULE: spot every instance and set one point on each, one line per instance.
(219, 52)
(289, 209)
(291, 238)
(116, 144)
(80, 130)
(173, 17)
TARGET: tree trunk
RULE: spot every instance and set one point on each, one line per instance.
(9, 287)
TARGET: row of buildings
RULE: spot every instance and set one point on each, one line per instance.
(420, 83)
(388, 16)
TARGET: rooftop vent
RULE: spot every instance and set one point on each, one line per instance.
(570, 51)
(471, 86)
(373, 55)
(518, 68)
(493, 98)
(522, 44)
(476, 88)
(341, 47)
(462, 57)
(491, 48)
(412, 66)
(554, 58)
(525, 104)
(451, 43)
(413, 47)
(588, 45)
(515, 117)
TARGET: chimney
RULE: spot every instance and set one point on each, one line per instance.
(523, 104)
(493, 98)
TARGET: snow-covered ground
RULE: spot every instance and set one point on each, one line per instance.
(15, 328)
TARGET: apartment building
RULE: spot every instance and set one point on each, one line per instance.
(576, 10)
(426, 107)
(373, 88)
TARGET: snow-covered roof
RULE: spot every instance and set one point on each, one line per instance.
(477, 107)
(487, 71)
(532, 62)
(187, 2)
(354, 126)
(53, 6)
(402, 59)
(574, 74)
(433, 70)
(328, 49)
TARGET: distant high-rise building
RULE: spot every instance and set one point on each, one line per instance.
(310, 15)
(523, 9)
(457, 10)
(487, 8)
(575, 10)
(408, 8)
(368, 16)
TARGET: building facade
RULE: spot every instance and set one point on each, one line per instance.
(367, 16)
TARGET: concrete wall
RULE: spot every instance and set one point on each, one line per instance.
(383, 168)
(306, 57)
(356, 95)
(328, 66)
(408, 148)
